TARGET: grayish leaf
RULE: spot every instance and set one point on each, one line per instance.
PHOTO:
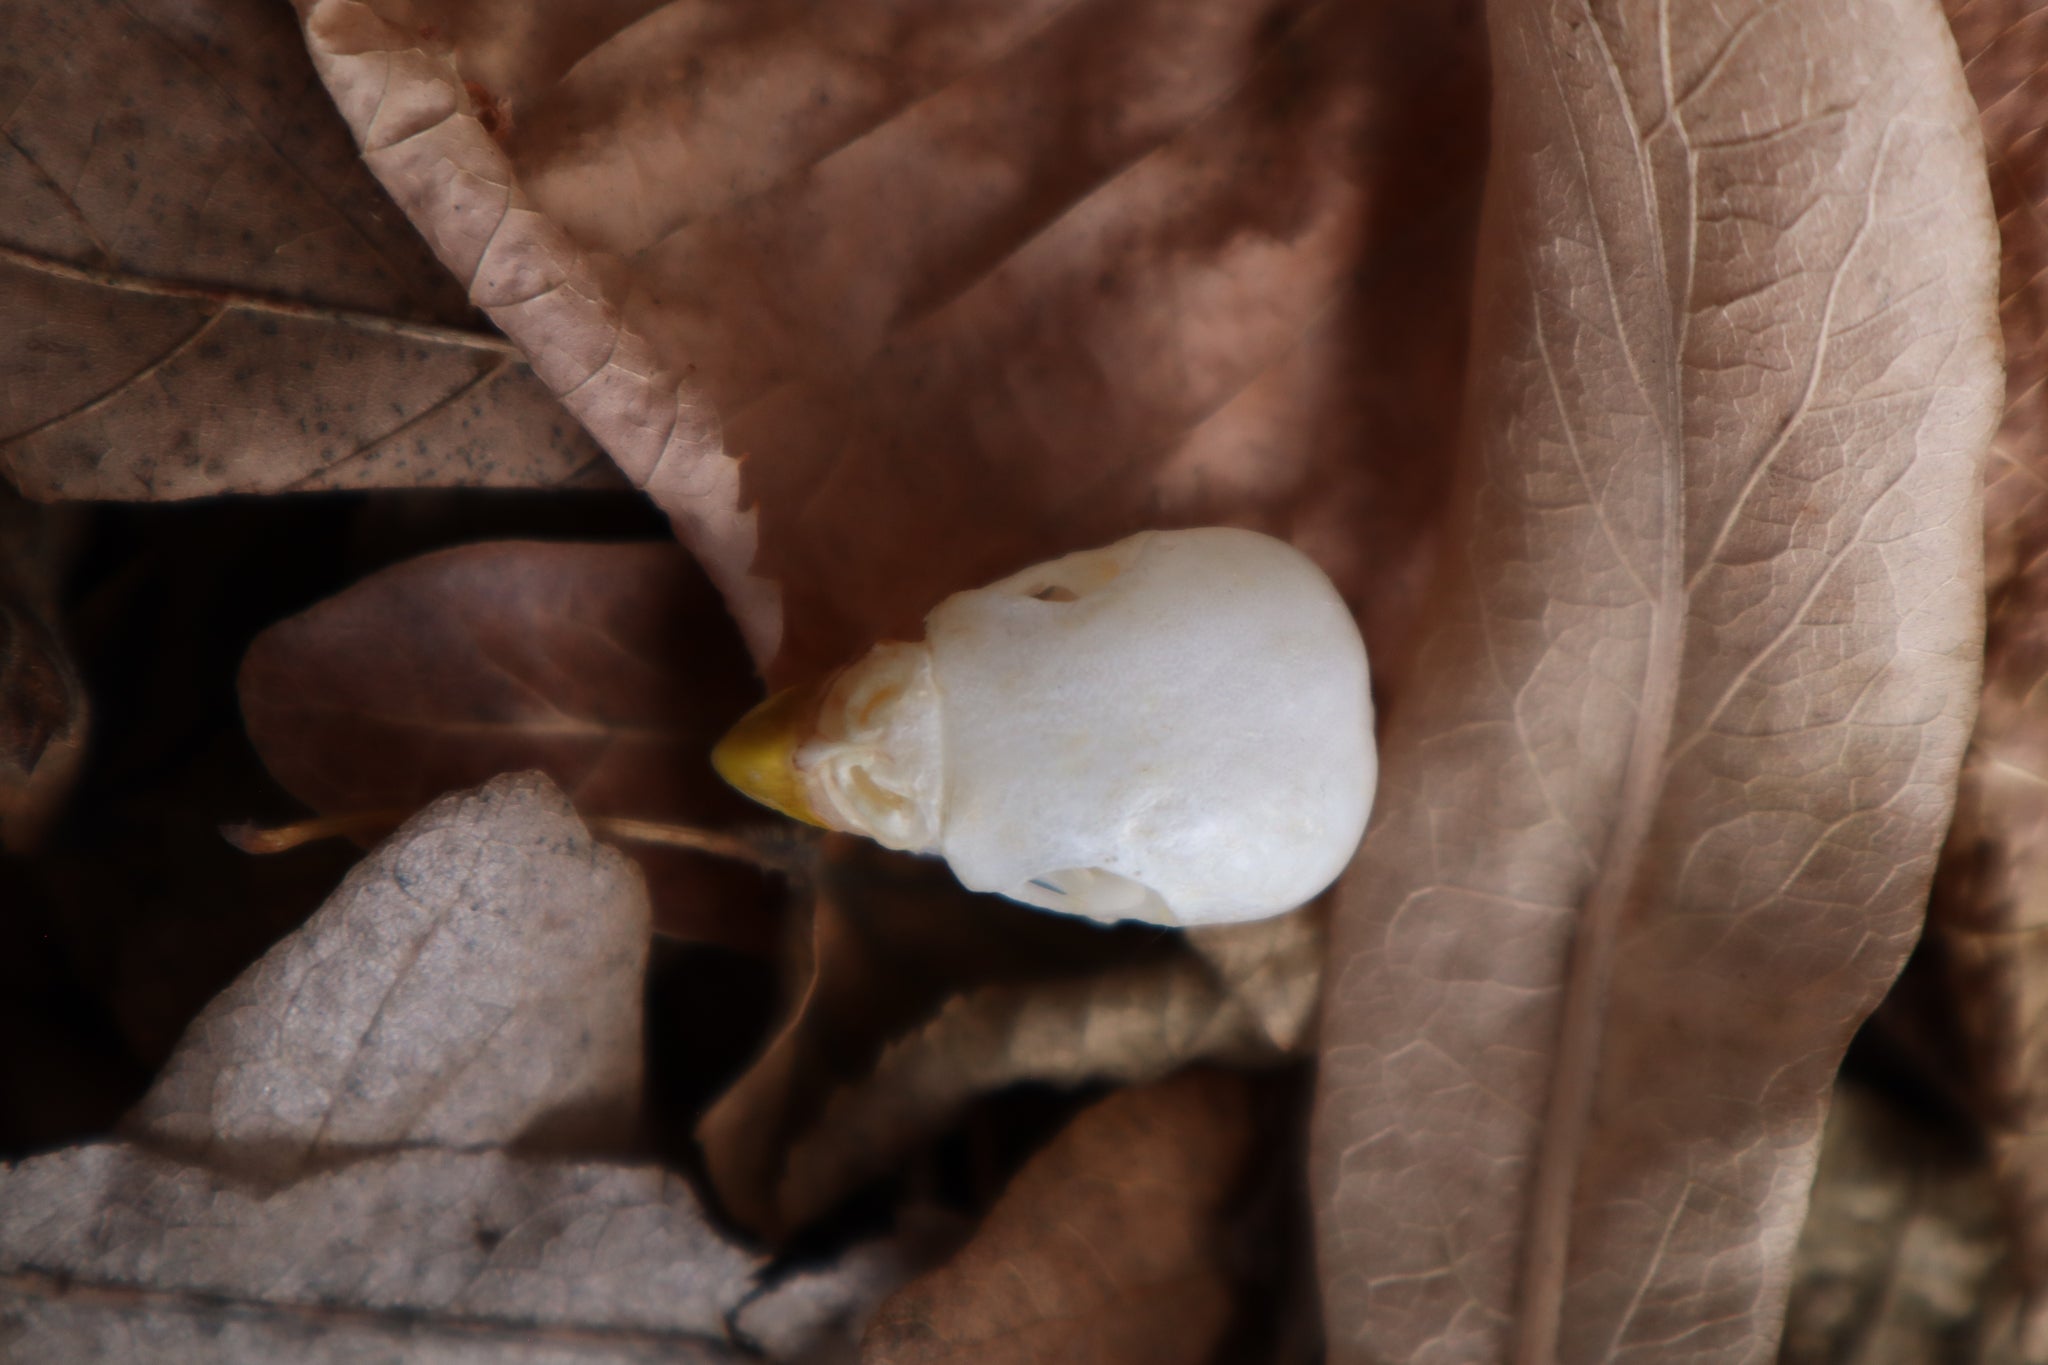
(474, 980)
(110, 1252)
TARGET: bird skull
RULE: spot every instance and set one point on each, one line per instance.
(1175, 728)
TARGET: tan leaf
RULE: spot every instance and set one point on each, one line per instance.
(1988, 917)
(612, 668)
(1105, 1248)
(474, 982)
(202, 292)
(44, 711)
(1091, 268)
(1658, 811)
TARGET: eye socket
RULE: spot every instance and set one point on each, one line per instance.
(1073, 577)
(1094, 893)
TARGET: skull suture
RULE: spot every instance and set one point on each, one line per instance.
(1174, 728)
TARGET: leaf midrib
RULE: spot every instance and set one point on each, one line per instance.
(1589, 973)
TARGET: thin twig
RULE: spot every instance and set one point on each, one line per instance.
(764, 848)
(252, 839)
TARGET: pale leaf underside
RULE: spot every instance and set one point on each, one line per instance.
(1657, 817)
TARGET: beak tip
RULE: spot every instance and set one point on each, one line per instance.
(757, 757)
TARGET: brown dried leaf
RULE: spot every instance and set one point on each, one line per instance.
(1105, 1249)
(1657, 814)
(202, 292)
(1092, 268)
(1127, 1025)
(44, 711)
(836, 1299)
(882, 942)
(612, 668)
(909, 998)
(474, 982)
(1989, 919)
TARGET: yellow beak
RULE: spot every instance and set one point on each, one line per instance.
(758, 755)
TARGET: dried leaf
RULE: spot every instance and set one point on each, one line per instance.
(202, 292)
(881, 943)
(1988, 917)
(2004, 46)
(1093, 268)
(1127, 1025)
(1900, 1261)
(474, 982)
(1658, 811)
(44, 712)
(1105, 1248)
(612, 668)
(114, 1253)
(786, 1320)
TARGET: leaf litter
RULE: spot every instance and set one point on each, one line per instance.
(1039, 298)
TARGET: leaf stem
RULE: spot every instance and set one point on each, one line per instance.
(763, 848)
(251, 838)
(250, 301)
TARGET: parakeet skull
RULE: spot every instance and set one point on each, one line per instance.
(1174, 728)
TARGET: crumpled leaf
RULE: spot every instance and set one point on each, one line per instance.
(1092, 268)
(1104, 1249)
(1659, 806)
(909, 997)
(201, 291)
(319, 1175)
(44, 710)
(1988, 915)
(612, 668)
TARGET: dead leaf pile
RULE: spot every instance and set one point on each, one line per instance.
(1629, 366)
